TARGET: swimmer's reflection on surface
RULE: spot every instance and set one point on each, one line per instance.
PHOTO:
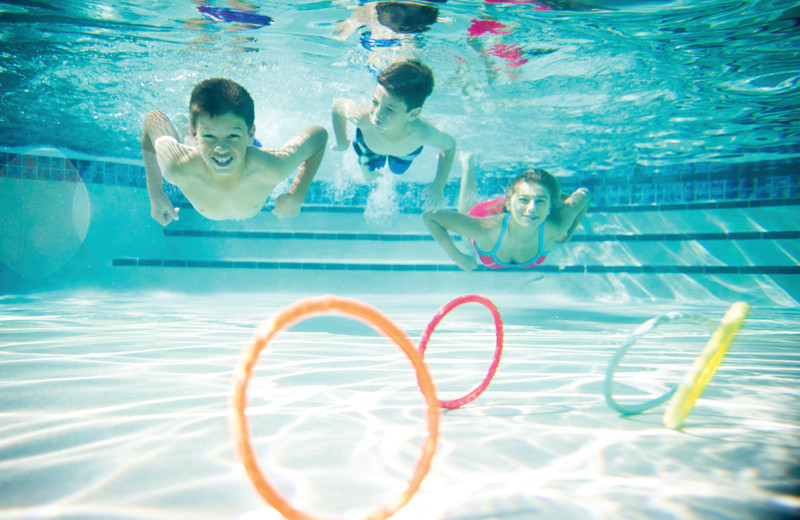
(388, 19)
(238, 16)
(389, 31)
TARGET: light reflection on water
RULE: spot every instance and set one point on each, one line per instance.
(116, 406)
(630, 82)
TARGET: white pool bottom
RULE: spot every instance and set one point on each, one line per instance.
(116, 406)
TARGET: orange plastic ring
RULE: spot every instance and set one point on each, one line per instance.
(284, 319)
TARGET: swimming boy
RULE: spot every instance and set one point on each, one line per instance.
(392, 132)
(219, 170)
(514, 232)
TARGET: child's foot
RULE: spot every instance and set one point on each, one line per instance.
(468, 191)
(371, 175)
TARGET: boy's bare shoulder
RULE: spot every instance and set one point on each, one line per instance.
(433, 135)
(360, 116)
(176, 159)
(265, 162)
(353, 111)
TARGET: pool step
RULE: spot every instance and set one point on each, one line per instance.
(722, 240)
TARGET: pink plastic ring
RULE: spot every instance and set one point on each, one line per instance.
(498, 350)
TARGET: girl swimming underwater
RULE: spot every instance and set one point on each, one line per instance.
(511, 233)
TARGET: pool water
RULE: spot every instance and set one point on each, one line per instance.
(116, 406)
(624, 86)
(119, 338)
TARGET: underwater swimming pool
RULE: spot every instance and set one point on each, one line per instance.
(116, 406)
(120, 337)
(689, 108)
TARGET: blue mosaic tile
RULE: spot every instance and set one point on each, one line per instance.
(676, 193)
(731, 188)
(666, 186)
(702, 190)
(781, 187)
(94, 173)
(794, 186)
(763, 188)
(717, 190)
(599, 198)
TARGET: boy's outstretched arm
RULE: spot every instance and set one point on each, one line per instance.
(434, 192)
(568, 214)
(342, 110)
(156, 125)
(305, 150)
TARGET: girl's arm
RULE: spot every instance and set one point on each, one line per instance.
(441, 222)
(567, 215)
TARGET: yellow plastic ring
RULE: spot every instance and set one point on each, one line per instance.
(681, 404)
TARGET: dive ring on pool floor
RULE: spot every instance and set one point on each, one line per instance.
(309, 307)
(498, 348)
(284, 319)
(684, 396)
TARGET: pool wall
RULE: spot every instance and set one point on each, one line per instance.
(696, 232)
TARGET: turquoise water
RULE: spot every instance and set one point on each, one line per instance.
(627, 83)
(680, 116)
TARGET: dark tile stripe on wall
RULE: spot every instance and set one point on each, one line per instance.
(408, 237)
(593, 208)
(340, 266)
(297, 235)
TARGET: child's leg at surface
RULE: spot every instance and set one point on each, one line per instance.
(468, 190)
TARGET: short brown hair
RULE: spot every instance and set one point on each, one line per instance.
(537, 176)
(411, 81)
(405, 17)
(217, 96)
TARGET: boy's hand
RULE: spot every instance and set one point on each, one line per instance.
(434, 198)
(286, 206)
(162, 210)
(340, 147)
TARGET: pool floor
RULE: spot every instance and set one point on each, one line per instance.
(117, 405)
